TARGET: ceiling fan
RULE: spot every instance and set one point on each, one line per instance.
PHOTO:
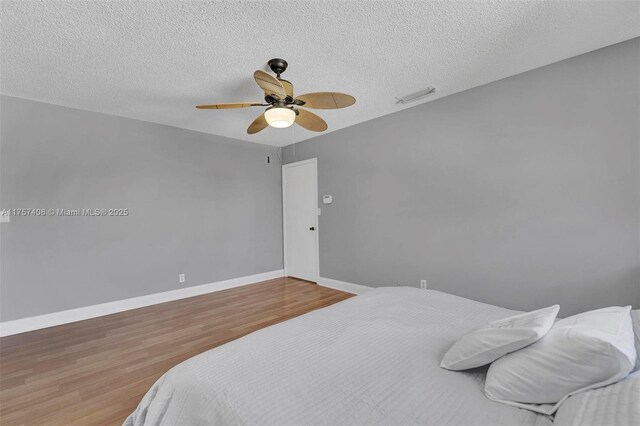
(283, 108)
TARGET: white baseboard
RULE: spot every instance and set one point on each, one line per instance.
(23, 325)
(342, 285)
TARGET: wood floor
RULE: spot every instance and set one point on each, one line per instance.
(96, 371)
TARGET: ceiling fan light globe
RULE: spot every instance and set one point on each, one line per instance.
(280, 117)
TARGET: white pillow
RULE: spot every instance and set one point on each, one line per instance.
(483, 346)
(617, 404)
(635, 319)
(585, 351)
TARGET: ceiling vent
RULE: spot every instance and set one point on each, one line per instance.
(416, 96)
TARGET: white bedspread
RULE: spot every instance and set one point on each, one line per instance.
(372, 360)
(613, 405)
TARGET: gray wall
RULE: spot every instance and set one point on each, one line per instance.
(521, 193)
(202, 205)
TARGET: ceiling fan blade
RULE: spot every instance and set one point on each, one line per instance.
(311, 121)
(229, 106)
(258, 124)
(269, 84)
(288, 87)
(327, 100)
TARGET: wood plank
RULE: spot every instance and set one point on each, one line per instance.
(96, 371)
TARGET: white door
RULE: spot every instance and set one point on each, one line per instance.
(300, 207)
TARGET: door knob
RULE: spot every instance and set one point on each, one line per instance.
(313, 228)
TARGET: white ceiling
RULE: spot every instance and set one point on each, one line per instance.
(154, 61)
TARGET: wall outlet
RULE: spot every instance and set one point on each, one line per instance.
(181, 278)
(423, 284)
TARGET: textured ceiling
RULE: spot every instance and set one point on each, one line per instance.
(154, 61)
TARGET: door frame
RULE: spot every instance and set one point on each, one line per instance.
(313, 161)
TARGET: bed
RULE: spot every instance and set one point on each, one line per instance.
(372, 359)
